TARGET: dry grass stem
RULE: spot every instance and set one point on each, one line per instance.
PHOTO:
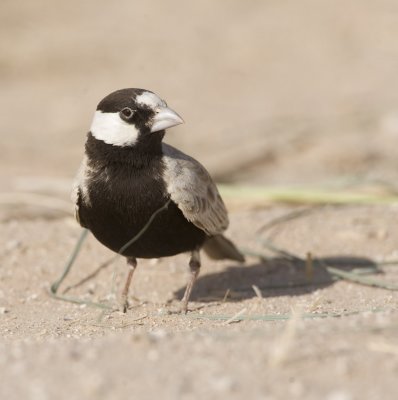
(260, 196)
(226, 295)
(235, 318)
(287, 217)
(92, 275)
(121, 326)
(257, 291)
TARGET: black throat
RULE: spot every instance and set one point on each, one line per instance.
(139, 155)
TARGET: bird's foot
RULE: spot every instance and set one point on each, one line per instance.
(184, 306)
(194, 266)
(124, 305)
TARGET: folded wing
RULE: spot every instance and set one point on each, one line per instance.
(192, 189)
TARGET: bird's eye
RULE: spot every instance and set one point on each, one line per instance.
(126, 113)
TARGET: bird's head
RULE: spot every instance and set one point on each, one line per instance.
(128, 116)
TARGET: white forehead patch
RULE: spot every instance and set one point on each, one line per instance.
(111, 129)
(150, 99)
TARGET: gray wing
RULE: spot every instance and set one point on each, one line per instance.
(192, 189)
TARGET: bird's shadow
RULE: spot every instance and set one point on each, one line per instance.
(274, 277)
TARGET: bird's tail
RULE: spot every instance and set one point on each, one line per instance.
(219, 247)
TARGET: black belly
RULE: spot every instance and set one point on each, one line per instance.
(121, 206)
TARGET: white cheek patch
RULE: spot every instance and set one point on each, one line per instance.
(111, 129)
(150, 99)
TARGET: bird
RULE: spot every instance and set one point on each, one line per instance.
(129, 177)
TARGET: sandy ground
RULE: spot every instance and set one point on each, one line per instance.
(275, 93)
(69, 351)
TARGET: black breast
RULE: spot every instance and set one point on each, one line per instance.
(122, 200)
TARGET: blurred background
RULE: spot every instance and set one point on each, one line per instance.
(278, 93)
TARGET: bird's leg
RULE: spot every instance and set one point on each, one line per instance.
(194, 266)
(132, 263)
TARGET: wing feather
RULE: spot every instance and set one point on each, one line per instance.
(192, 189)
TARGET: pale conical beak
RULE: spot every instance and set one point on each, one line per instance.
(165, 118)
